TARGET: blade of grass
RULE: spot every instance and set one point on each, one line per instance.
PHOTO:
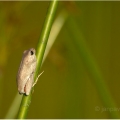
(12, 112)
(92, 67)
(57, 26)
(26, 100)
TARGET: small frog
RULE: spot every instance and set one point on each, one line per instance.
(25, 76)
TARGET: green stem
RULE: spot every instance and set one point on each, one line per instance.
(92, 67)
(26, 100)
(45, 34)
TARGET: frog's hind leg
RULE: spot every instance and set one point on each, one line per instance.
(29, 84)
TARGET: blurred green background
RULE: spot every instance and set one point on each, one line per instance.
(67, 88)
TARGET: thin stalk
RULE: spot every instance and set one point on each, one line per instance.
(13, 109)
(92, 67)
(56, 28)
(26, 100)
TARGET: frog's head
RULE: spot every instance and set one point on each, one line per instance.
(29, 56)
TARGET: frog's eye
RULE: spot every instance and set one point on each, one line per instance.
(31, 52)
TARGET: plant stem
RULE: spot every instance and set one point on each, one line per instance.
(45, 34)
(92, 67)
(56, 28)
(26, 100)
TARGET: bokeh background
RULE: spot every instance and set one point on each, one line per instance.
(67, 88)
